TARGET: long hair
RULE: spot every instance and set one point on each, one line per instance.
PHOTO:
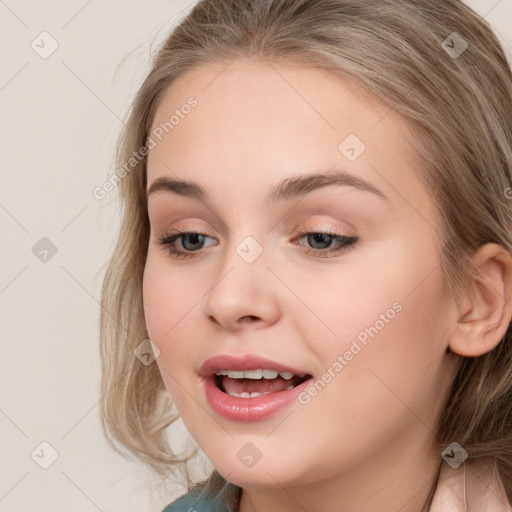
(455, 93)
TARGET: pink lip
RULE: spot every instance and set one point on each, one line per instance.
(250, 409)
(247, 409)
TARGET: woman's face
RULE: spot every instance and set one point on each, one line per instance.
(363, 316)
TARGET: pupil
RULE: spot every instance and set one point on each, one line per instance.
(194, 236)
(320, 236)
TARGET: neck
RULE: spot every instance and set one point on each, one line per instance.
(388, 483)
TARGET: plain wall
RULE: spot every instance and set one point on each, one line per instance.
(60, 117)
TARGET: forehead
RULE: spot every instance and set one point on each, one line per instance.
(269, 99)
(256, 123)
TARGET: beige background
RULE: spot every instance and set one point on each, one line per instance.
(60, 117)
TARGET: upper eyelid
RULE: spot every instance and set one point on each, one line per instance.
(322, 228)
(317, 224)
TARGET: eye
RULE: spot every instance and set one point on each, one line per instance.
(189, 241)
(192, 242)
(322, 238)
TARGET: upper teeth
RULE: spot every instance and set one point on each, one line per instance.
(255, 374)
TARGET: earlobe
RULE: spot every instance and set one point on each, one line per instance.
(486, 309)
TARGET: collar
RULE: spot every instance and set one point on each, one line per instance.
(473, 487)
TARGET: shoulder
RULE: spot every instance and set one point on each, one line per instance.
(480, 481)
(186, 502)
(196, 501)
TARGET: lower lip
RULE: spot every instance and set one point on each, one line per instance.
(250, 409)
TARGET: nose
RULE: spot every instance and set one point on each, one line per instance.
(243, 294)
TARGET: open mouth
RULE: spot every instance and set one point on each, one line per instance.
(254, 383)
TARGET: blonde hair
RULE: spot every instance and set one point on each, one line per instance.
(459, 109)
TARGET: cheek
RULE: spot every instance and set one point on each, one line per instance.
(167, 303)
(156, 301)
(338, 303)
(384, 387)
(170, 296)
(383, 316)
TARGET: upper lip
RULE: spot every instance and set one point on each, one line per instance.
(245, 362)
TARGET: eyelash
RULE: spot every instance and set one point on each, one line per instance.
(168, 239)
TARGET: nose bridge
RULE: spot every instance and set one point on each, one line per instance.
(242, 286)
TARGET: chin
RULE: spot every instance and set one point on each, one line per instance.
(263, 474)
(249, 479)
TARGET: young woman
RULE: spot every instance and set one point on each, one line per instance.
(317, 240)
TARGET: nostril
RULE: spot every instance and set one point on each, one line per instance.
(250, 318)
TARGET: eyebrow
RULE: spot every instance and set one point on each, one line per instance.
(294, 186)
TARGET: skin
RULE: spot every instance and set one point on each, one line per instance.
(365, 441)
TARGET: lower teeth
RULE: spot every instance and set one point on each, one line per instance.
(254, 395)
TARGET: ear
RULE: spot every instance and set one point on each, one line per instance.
(486, 306)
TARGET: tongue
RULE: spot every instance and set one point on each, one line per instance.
(257, 386)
